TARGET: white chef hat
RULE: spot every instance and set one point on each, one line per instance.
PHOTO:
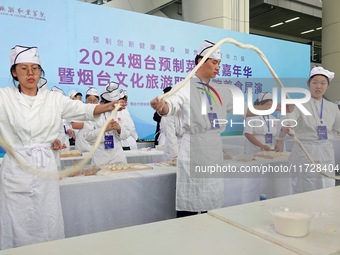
(123, 93)
(56, 89)
(320, 70)
(265, 96)
(92, 91)
(111, 92)
(72, 93)
(205, 47)
(23, 54)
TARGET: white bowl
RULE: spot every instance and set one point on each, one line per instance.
(292, 221)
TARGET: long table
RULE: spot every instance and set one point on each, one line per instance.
(97, 203)
(199, 235)
(324, 234)
(132, 156)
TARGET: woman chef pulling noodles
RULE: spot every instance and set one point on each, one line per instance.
(30, 209)
(315, 133)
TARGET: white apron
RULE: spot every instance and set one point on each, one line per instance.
(199, 191)
(251, 149)
(259, 132)
(130, 142)
(104, 156)
(81, 143)
(30, 208)
(322, 153)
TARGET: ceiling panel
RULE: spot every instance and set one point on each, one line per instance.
(264, 15)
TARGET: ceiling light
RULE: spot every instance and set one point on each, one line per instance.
(318, 28)
(278, 24)
(308, 31)
(290, 20)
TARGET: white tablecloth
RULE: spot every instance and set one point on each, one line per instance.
(144, 156)
(246, 187)
(98, 203)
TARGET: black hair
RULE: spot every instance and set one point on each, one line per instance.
(167, 89)
(91, 95)
(257, 102)
(198, 57)
(310, 78)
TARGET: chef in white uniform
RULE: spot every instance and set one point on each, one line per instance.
(201, 144)
(124, 116)
(315, 133)
(261, 131)
(72, 131)
(65, 127)
(171, 133)
(92, 97)
(74, 95)
(31, 115)
(110, 149)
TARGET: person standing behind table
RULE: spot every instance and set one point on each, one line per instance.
(170, 129)
(63, 136)
(74, 95)
(110, 150)
(159, 134)
(157, 118)
(315, 133)
(65, 128)
(196, 194)
(261, 131)
(92, 97)
(72, 132)
(124, 115)
(30, 208)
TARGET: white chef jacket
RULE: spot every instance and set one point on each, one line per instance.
(170, 130)
(167, 129)
(320, 150)
(104, 156)
(259, 126)
(200, 146)
(63, 136)
(125, 117)
(30, 209)
(81, 143)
